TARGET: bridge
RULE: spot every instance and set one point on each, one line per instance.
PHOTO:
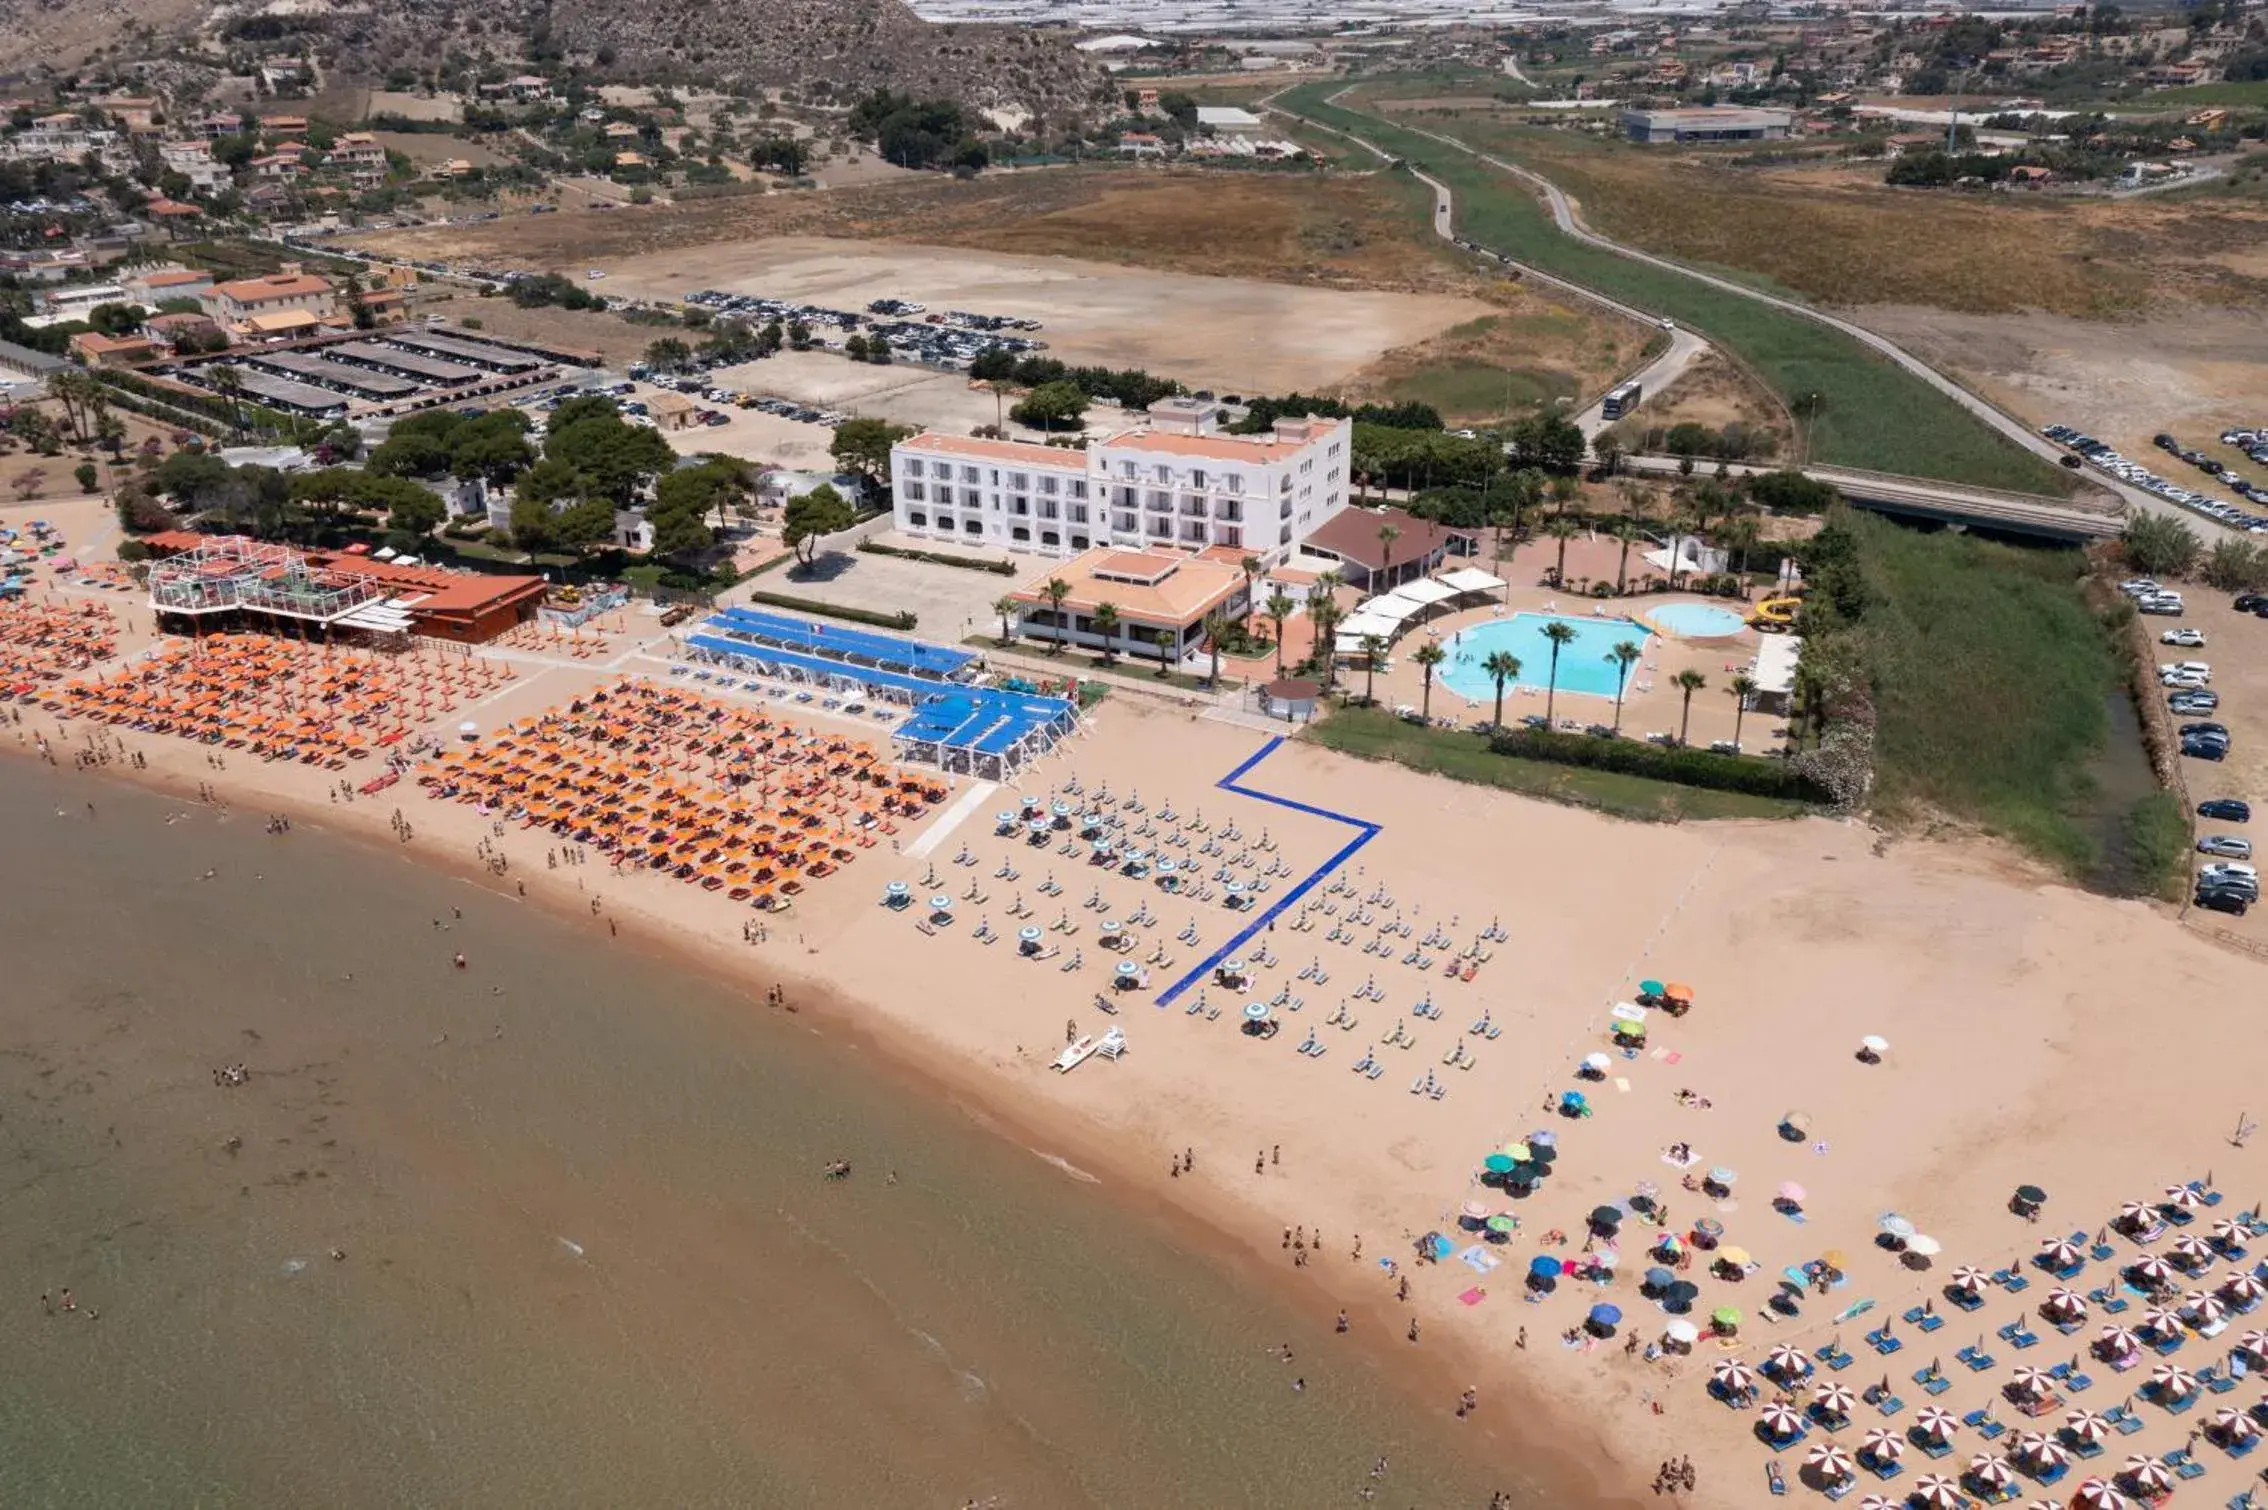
(2045, 518)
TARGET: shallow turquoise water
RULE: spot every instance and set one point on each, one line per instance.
(1701, 621)
(1583, 663)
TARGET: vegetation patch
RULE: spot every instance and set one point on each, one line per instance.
(1480, 391)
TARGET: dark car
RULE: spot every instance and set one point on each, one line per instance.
(2205, 749)
(2210, 730)
(2229, 902)
(2226, 809)
(2248, 602)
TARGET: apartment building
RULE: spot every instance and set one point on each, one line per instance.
(194, 161)
(1174, 479)
(288, 291)
(359, 156)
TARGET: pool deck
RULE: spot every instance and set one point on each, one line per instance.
(1652, 702)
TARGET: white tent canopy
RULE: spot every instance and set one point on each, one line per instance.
(1424, 593)
(1776, 660)
(1467, 579)
(1363, 622)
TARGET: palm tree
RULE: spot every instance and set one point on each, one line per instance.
(1681, 528)
(1324, 611)
(1373, 646)
(73, 389)
(1428, 656)
(1624, 656)
(1106, 624)
(1057, 590)
(1217, 626)
(1562, 529)
(1689, 682)
(1527, 492)
(1559, 632)
(1624, 530)
(229, 385)
(1280, 608)
(1503, 665)
(1007, 608)
(1743, 688)
(1740, 536)
(1387, 535)
(1251, 566)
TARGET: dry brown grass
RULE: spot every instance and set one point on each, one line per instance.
(1837, 234)
(1506, 365)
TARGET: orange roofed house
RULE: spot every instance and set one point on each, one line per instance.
(199, 576)
(1162, 597)
(287, 301)
(1174, 478)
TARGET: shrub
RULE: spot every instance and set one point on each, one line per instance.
(939, 558)
(902, 621)
(1686, 767)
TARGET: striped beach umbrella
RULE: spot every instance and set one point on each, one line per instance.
(2244, 1292)
(1968, 1279)
(1879, 1502)
(2097, 1494)
(2229, 1420)
(2137, 1215)
(1936, 1492)
(2032, 1383)
(2044, 1453)
(1834, 1401)
(2086, 1428)
(2146, 1475)
(2117, 1342)
(1882, 1446)
(2161, 1323)
(2231, 1233)
(2061, 1254)
(1787, 1363)
(2192, 1250)
(1780, 1420)
(1733, 1377)
(1829, 1461)
(2202, 1308)
(2173, 1382)
(2064, 1305)
(2182, 1198)
(1990, 1473)
(2151, 1270)
(1936, 1424)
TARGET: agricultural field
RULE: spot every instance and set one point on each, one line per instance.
(1868, 413)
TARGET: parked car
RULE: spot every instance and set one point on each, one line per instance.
(2188, 638)
(2249, 602)
(2213, 730)
(2193, 700)
(2225, 847)
(2165, 606)
(2224, 901)
(2205, 749)
(2231, 871)
(2225, 809)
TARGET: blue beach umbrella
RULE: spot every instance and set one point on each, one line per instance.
(1659, 1278)
(1543, 1266)
(1605, 1315)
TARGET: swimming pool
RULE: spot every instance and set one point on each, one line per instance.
(1583, 663)
(1696, 621)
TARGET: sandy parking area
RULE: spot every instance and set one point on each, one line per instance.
(1234, 334)
(2233, 648)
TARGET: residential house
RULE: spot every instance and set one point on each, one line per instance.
(1140, 144)
(93, 349)
(283, 125)
(360, 157)
(288, 291)
(194, 331)
(154, 286)
(194, 161)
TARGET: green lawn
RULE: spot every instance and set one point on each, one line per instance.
(1372, 734)
(1481, 390)
(1873, 414)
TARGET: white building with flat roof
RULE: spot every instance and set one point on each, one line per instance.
(1175, 479)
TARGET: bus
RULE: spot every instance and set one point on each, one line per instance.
(1622, 401)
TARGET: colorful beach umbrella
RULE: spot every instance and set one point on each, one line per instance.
(1605, 1315)
(1543, 1266)
(1649, 988)
(1502, 1225)
(1497, 1163)
(1720, 1174)
(1726, 1316)
(1518, 1153)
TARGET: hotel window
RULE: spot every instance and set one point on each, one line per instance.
(1078, 513)
(1235, 482)
(1126, 469)
(913, 466)
(1197, 478)
(1048, 485)
(1163, 473)
(1050, 537)
(972, 526)
(1283, 536)
(1019, 506)
(912, 489)
(1284, 486)
(917, 519)
(1078, 487)
(1020, 532)
(1079, 542)
(1050, 509)
(971, 474)
(1019, 482)
(944, 493)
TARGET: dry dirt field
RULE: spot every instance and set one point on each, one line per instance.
(1235, 333)
(1527, 353)
(1713, 392)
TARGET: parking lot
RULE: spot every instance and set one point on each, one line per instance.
(2177, 456)
(2236, 647)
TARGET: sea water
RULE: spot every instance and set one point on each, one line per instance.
(551, 1230)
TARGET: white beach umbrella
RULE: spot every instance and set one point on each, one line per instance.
(2061, 1254)
(2097, 1494)
(1780, 1420)
(2045, 1454)
(2202, 1309)
(2231, 1233)
(2161, 1323)
(2192, 1249)
(1786, 1362)
(2147, 1475)
(1968, 1279)
(2243, 1290)
(2151, 1269)
(2117, 1342)
(2065, 1305)
(2136, 1215)
(1829, 1461)
(2086, 1427)
(1733, 1377)
(2032, 1383)
(1883, 1446)
(1936, 1423)
(1936, 1492)
(1681, 1331)
(2173, 1381)
(2182, 1198)
(1990, 1473)
(1923, 1245)
(1834, 1400)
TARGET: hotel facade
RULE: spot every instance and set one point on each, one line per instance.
(1174, 480)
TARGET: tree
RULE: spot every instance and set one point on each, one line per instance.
(195, 479)
(668, 354)
(1559, 633)
(76, 391)
(1502, 666)
(87, 475)
(799, 335)
(1373, 646)
(1428, 655)
(1624, 655)
(138, 512)
(1279, 608)
(855, 348)
(1624, 531)
(1251, 566)
(1387, 535)
(1106, 620)
(1689, 682)
(1681, 529)
(410, 453)
(811, 517)
(863, 446)
(614, 459)
(534, 526)
(1217, 626)
(1007, 607)
(1743, 688)
(1324, 613)
(2160, 544)
(1562, 529)
(415, 510)
(1608, 449)
(229, 384)
(1051, 406)
(28, 483)
(1057, 590)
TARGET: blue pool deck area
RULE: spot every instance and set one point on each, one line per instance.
(1584, 665)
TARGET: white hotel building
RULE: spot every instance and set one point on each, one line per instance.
(1175, 480)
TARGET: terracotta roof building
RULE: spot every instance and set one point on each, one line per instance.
(1162, 598)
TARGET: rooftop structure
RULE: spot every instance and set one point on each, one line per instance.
(206, 575)
(1162, 598)
(1714, 123)
(1366, 559)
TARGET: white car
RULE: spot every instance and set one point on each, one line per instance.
(2190, 639)
(2187, 668)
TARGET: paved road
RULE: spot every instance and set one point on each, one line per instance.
(1564, 216)
(2023, 513)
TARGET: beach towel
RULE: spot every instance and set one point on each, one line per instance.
(1480, 1259)
(1473, 1296)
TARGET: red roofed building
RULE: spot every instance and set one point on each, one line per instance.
(198, 576)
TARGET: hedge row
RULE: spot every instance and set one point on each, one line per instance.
(939, 558)
(1685, 766)
(903, 622)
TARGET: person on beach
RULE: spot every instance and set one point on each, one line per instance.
(1413, 1329)
(1341, 1327)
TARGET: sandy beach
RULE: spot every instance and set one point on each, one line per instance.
(2016, 1010)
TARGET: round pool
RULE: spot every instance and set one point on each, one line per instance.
(1695, 621)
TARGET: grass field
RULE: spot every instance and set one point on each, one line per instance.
(1477, 391)
(1991, 681)
(1372, 734)
(1872, 414)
